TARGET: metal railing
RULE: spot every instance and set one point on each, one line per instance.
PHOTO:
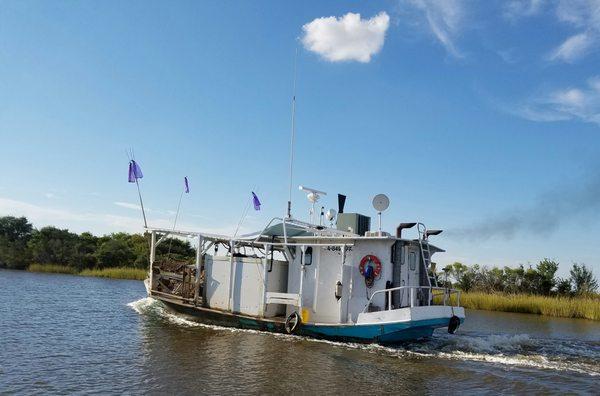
(445, 293)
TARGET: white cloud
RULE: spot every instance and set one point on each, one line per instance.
(348, 38)
(579, 13)
(517, 9)
(128, 205)
(581, 104)
(444, 19)
(50, 195)
(573, 48)
(585, 16)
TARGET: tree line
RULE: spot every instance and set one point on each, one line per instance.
(538, 280)
(21, 245)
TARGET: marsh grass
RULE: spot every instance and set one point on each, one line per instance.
(52, 268)
(586, 307)
(113, 273)
(117, 273)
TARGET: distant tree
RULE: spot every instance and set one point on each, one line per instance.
(15, 228)
(51, 245)
(563, 286)
(444, 277)
(583, 279)
(21, 245)
(531, 281)
(114, 253)
(494, 279)
(465, 277)
(457, 270)
(513, 279)
(15, 233)
(176, 247)
(546, 269)
(141, 247)
(85, 249)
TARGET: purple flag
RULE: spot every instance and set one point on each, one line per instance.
(255, 201)
(135, 172)
(187, 186)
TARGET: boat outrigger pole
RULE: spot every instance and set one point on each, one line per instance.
(141, 203)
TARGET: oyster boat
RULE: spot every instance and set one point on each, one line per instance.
(340, 282)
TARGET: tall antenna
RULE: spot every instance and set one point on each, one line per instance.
(289, 204)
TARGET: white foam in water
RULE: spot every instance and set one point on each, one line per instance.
(141, 306)
(511, 350)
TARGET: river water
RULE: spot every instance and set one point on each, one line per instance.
(68, 334)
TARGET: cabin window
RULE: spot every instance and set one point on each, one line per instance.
(412, 261)
(308, 256)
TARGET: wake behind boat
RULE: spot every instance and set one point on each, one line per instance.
(343, 283)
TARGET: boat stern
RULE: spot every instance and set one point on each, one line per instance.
(410, 323)
(391, 326)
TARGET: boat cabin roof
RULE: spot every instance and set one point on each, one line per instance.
(291, 231)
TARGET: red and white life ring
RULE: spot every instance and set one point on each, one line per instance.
(374, 261)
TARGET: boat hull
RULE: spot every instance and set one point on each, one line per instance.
(390, 333)
(387, 333)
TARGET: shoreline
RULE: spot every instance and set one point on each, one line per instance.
(577, 307)
(127, 273)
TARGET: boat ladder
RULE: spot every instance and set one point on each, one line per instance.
(426, 254)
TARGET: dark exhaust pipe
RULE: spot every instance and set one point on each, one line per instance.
(402, 226)
(341, 203)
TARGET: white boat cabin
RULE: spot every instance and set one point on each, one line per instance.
(327, 275)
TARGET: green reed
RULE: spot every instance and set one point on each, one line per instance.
(586, 307)
(113, 273)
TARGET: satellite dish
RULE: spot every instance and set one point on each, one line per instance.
(381, 202)
(330, 215)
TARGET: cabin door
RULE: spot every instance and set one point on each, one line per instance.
(398, 271)
(326, 307)
(406, 273)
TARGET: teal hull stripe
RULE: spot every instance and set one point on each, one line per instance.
(386, 333)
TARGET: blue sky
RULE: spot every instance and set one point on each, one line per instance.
(482, 118)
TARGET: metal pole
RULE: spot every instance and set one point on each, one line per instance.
(152, 256)
(231, 274)
(301, 280)
(198, 268)
(141, 203)
(263, 307)
(175, 223)
(342, 280)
